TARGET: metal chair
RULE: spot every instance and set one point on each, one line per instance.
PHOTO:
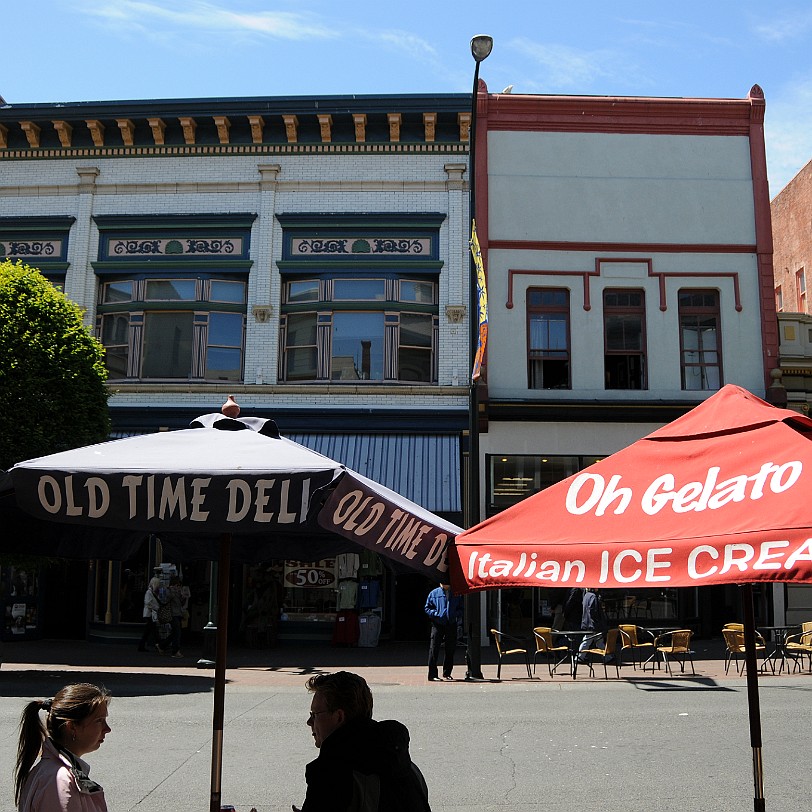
(733, 634)
(609, 652)
(632, 638)
(503, 642)
(798, 646)
(674, 645)
(555, 655)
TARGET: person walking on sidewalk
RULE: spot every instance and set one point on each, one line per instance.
(363, 765)
(444, 610)
(149, 637)
(75, 724)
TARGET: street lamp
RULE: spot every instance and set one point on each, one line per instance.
(481, 46)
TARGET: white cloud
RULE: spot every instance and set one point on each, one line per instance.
(788, 133)
(566, 68)
(785, 28)
(149, 17)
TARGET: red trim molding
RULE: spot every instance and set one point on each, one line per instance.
(599, 261)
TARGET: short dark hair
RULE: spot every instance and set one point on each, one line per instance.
(345, 691)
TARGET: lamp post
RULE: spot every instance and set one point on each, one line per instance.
(481, 46)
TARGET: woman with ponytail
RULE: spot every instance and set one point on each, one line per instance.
(75, 724)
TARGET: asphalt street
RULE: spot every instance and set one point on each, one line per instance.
(655, 744)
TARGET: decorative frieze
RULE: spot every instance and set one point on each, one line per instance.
(464, 121)
(381, 246)
(175, 246)
(359, 120)
(11, 248)
(429, 126)
(394, 120)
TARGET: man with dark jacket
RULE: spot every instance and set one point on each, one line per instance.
(363, 765)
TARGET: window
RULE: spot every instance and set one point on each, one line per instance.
(373, 329)
(624, 321)
(779, 299)
(173, 328)
(548, 338)
(800, 290)
(700, 351)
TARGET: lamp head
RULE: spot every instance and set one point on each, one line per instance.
(481, 47)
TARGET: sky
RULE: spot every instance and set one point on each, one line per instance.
(94, 50)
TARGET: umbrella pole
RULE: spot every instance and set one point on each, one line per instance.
(752, 694)
(223, 574)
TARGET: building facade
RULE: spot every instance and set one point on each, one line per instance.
(305, 255)
(629, 258)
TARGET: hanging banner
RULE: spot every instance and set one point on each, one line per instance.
(482, 303)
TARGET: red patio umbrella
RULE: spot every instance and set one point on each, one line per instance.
(718, 496)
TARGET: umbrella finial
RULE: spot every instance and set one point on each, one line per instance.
(230, 408)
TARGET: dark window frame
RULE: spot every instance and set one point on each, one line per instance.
(546, 365)
(626, 367)
(696, 312)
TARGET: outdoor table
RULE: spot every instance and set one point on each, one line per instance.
(778, 634)
(572, 636)
(656, 631)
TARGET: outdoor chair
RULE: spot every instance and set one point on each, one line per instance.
(733, 634)
(506, 645)
(555, 655)
(797, 646)
(637, 640)
(674, 645)
(609, 652)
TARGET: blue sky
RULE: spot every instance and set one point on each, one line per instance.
(90, 50)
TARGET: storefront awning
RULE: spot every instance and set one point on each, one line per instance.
(424, 468)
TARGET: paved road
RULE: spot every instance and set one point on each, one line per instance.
(517, 746)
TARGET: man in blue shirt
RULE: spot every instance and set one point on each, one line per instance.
(444, 610)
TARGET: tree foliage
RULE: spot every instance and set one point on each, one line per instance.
(53, 381)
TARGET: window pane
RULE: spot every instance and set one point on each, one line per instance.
(548, 333)
(118, 292)
(549, 297)
(357, 347)
(306, 290)
(225, 329)
(300, 364)
(301, 329)
(223, 364)
(359, 290)
(223, 291)
(412, 291)
(624, 333)
(170, 290)
(414, 364)
(415, 330)
(115, 335)
(167, 345)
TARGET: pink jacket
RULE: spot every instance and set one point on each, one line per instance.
(51, 786)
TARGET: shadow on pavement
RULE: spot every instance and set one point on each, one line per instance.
(41, 683)
(679, 683)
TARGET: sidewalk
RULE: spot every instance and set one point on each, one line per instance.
(291, 662)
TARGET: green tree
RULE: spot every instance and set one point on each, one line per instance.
(53, 381)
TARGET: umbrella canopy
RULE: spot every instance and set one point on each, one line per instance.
(717, 496)
(226, 485)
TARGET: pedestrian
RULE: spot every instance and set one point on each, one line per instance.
(75, 724)
(593, 619)
(176, 602)
(573, 608)
(149, 637)
(363, 765)
(444, 610)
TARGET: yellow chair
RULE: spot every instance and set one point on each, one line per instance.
(609, 651)
(675, 645)
(631, 638)
(797, 646)
(733, 634)
(503, 642)
(555, 655)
